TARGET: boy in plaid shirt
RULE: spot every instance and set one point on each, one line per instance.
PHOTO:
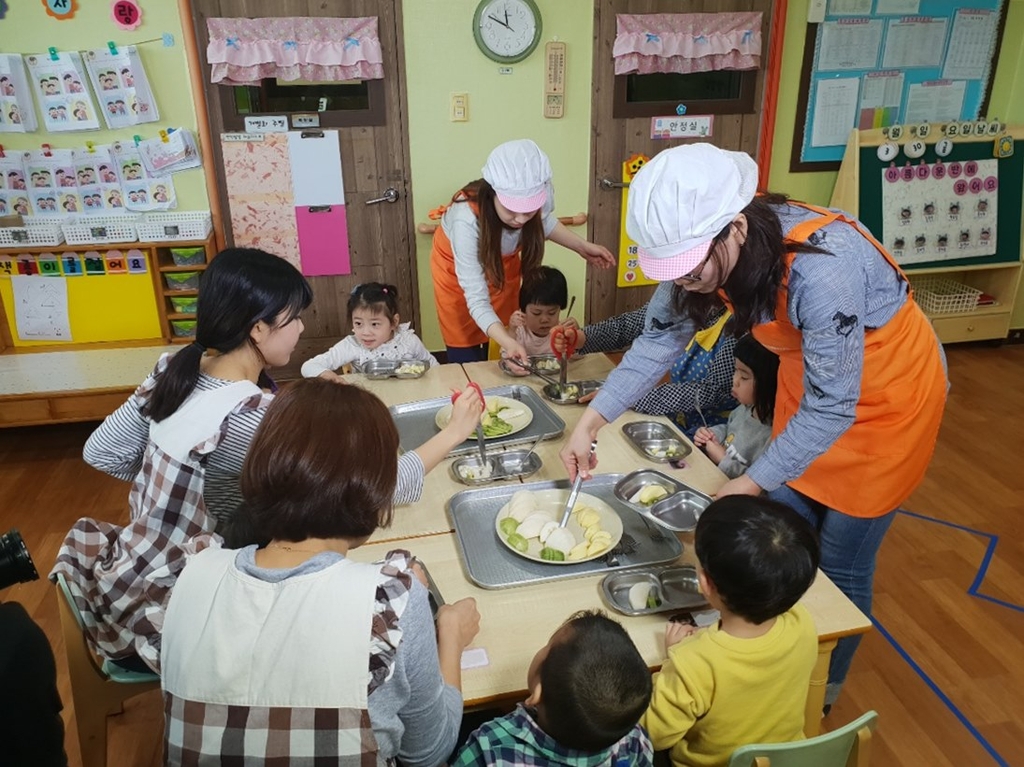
(588, 688)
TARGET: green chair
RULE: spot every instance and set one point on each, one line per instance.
(97, 689)
(849, 746)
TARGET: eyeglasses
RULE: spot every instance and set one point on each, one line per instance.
(695, 275)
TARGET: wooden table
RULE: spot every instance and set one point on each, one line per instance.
(516, 622)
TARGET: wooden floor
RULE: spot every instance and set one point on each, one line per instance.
(944, 669)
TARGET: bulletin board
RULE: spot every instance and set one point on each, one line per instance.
(875, 63)
(986, 187)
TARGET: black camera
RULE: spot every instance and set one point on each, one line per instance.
(16, 564)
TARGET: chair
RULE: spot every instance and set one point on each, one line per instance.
(98, 690)
(849, 746)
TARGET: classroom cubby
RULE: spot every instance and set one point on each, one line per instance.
(175, 284)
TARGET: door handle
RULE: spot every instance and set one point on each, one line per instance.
(390, 195)
(607, 183)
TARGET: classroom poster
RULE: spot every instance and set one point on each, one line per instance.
(16, 112)
(258, 176)
(41, 308)
(629, 269)
(98, 183)
(52, 182)
(13, 186)
(142, 190)
(121, 86)
(58, 80)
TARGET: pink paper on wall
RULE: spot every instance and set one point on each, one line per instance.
(258, 176)
(323, 240)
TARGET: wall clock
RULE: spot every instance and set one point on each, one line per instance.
(507, 31)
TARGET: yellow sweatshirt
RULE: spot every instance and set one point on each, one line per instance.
(717, 692)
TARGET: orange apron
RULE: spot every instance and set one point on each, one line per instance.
(458, 328)
(879, 461)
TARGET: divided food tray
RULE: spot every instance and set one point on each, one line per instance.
(378, 369)
(675, 589)
(511, 464)
(490, 565)
(415, 421)
(649, 438)
(678, 511)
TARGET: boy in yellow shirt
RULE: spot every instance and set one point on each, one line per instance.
(745, 679)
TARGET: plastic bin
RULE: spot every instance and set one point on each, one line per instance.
(940, 295)
(100, 230)
(183, 328)
(36, 231)
(188, 256)
(184, 304)
(182, 280)
(178, 225)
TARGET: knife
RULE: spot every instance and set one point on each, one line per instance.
(574, 493)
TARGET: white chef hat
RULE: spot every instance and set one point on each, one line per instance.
(680, 200)
(519, 172)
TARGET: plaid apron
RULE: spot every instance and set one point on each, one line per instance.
(261, 673)
(121, 577)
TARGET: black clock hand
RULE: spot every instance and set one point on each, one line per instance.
(499, 21)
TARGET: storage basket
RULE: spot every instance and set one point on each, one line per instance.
(100, 230)
(184, 304)
(37, 230)
(183, 328)
(182, 280)
(940, 295)
(184, 225)
(188, 256)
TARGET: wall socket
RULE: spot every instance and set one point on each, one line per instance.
(459, 108)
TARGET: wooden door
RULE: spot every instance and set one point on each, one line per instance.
(615, 139)
(374, 157)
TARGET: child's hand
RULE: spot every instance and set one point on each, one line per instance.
(518, 319)
(467, 407)
(458, 622)
(570, 322)
(330, 375)
(677, 632)
(703, 436)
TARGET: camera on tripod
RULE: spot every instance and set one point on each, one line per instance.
(16, 564)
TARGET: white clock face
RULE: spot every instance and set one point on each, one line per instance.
(507, 27)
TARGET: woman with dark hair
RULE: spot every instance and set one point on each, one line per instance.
(862, 381)
(491, 236)
(182, 438)
(292, 650)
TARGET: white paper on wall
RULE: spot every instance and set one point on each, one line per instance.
(41, 308)
(60, 89)
(16, 112)
(121, 86)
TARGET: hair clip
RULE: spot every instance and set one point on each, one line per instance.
(384, 290)
(356, 289)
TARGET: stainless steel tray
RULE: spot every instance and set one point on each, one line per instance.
(490, 565)
(379, 369)
(415, 421)
(675, 588)
(550, 391)
(678, 511)
(649, 437)
(512, 464)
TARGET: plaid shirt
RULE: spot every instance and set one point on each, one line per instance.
(225, 734)
(121, 576)
(515, 740)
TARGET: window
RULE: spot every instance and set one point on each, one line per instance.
(722, 91)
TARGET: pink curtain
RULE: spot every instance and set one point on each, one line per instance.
(686, 42)
(319, 49)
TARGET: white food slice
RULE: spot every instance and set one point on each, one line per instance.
(561, 539)
(508, 413)
(638, 594)
(578, 551)
(533, 524)
(521, 505)
(547, 530)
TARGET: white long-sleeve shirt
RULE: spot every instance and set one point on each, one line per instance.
(404, 344)
(462, 228)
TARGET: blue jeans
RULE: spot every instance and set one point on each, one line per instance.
(848, 549)
(467, 353)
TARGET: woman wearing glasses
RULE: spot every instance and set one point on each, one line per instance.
(862, 381)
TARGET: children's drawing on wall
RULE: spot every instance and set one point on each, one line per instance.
(140, 190)
(940, 211)
(41, 308)
(59, 85)
(16, 112)
(121, 86)
(52, 182)
(98, 184)
(14, 197)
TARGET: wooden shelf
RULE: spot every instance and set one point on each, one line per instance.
(180, 316)
(193, 268)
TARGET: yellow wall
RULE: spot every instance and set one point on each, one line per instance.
(1006, 103)
(445, 155)
(27, 29)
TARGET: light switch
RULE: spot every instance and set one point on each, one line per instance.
(459, 111)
